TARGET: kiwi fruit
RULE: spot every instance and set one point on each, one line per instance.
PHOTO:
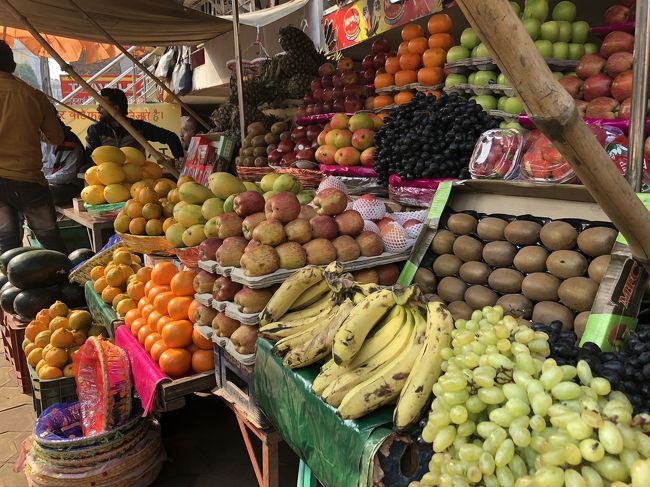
(474, 272)
(578, 293)
(255, 128)
(558, 236)
(248, 151)
(597, 241)
(271, 138)
(433, 298)
(516, 305)
(467, 248)
(460, 310)
(425, 279)
(259, 151)
(491, 229)
(443, 242)
(547, 312)
(451, 289)
(447, 265)
(580, 323)
(540, 286)
(461, 223)
(479, 296)
(522, 232)
(258, 141)
(499, 254)
(279, 127)
(531, 259)
(261, 161)
(506, 281)
(598, 267)
(566, 263)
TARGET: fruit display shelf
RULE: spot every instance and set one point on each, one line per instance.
(232, 311)
(488, 64)
(481, 89)
(603, 30)
(259, 282)
(409, 87)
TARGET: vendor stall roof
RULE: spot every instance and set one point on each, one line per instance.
(141, 22)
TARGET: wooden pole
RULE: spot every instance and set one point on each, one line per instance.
(121, 119)
(135, 61)
(54, 100)
(554, 112)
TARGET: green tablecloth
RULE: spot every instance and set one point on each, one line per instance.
(102, 313)
(339, 453)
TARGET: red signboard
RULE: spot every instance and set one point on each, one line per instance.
(68, 85)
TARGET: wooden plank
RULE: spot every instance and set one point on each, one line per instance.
(188, 385)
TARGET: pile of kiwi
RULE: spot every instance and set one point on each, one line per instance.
(536, 269)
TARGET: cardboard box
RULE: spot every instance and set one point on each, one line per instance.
(206, 154)
(619, 296)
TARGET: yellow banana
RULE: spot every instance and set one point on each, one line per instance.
(416, 392)
(364, 317)
(285, 345)
(376, 342)
(311, 295)
(284, 328)
(288, 293)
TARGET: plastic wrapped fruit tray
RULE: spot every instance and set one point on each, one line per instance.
(500, 114)
(488, 64)
(231, 310)
(410, 86)
(204, 298)
(481, 90)
(237, 275)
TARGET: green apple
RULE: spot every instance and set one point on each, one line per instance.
(565, 31)
(532, 26)
(502, 80)
(516, 7)
(480, 51)
(545, 48)
(579, 32)
(572, 73)
(514, 105)
(513, 125)
(483, 78)
(488, 102)
(501, 103)
(502, 125)
(564, 11)
(537, 9)
(560, 50)
(576, 51)
(454, 79)
(557, 75)
(469, 39)
(591, 48)
(550, 31)
(471, 78)
(457, 53)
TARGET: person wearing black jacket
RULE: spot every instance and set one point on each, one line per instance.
(109, 132)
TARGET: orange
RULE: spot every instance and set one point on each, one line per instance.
(383, 80)
(418, 45)
(96, 272)
(175, 361)
(142, 302)
(444, 41)
(431, 76)
(109, 293)
(148, 286)
(137, 226)
(161, 301)
(177, 333)
(434, 58)
(43, 316)
(130, 316)
(152, 320)
(411, 31)
(381, 101)
(59, 322)
(162, 321)
(100, 284)
(147, 195)
(178, 307)
(143, 274)
(169, 221)
(409, 61)
(406, 77)
(126, 269)
(143, 332)
(182, 283)
(135, 259)
(156, 349)
(194, 306)
(133, 209)
(199, 341)
(115, 277)
(137, 324)
(439, 23)
(202, 361)
(146, 311)
(391, 66)
(156, 290)
(163, 272)
(150, 340)
(403, 48)
(135, 290)
(192, 348)
(33, 329)
(403, 97)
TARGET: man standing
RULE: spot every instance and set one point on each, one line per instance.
(25, 114)
(109, 132)
(61, 164)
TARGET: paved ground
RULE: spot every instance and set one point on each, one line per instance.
(203, 442)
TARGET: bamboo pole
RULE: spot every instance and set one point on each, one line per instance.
(554, 112)
(54, 100)
(135, 61)
(121, 119)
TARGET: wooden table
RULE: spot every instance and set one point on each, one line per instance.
(96, 227)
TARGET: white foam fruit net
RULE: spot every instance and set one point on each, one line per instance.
(370, 209)
(332, 182)
(369, 226)
(395, 238)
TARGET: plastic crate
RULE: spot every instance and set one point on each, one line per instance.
(16, 332)
(74, 235)
(48, 392)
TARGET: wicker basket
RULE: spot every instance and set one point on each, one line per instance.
(82, 273)
(253, 174)
(307, 177)
(189, 256)
(147, 245)
(109, 210)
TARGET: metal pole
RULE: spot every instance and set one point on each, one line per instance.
(239, 69)
(634, 172)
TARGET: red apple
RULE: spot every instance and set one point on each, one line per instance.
(581, 106)
(336, 80)
(348, 78)
(617, 41)
(289, 158)
(283, 207)
(308, 99)
(622, 86)
(313, 131)
(597, 86)
(381, 224)
(379, 60)
(352, 90)
(626, 109)
(590, 65)
(380, 45)
(573, 85)
(603, 107)
(345, 64)
(275, 157)
(368, 157)
(326, 81)
(339, 105)
(327, 107)
(305, 155)
(369, 76)
(302, 144)
(326, 69)
(315, 85)
(617, 14)
(328, 94)
(352, 104)
(318, 95)
(367, 62)
(337, 92)
(285, 146)
(618, 63)
(318, 108)
(298, 133)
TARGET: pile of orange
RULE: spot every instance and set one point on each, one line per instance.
(161, 320)
(419, 60)
(115, 281)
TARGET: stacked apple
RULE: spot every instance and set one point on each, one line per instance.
(288, 146)
(339, 89)
(621, 13)
(349, 141)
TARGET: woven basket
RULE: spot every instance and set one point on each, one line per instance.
(307, 177)
(189, 256)
(147, 245)
(253, 174)
(82, 273)
(109, 210)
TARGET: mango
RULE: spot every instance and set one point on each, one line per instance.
(94, 194)
(212, 207)
(110, 173)
(133, 156)
(193, 235)
(189, 215)
(194, 193)
(223, 184)
(174, 234)
(115, 193)
(107, 153)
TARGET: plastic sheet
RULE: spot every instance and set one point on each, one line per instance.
(351, 171)
(340, 453)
